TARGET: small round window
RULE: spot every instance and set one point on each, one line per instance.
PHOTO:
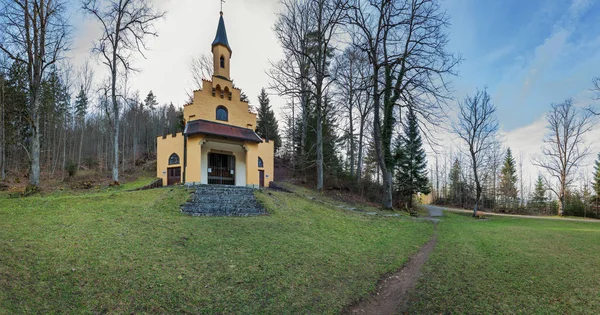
(260, 162)
(174, 159)
(222, 113)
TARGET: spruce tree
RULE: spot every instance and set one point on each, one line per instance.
(151, 101)
(456, 185)
(508, 177)
(538, 200)
(411, 163)
(266, 125)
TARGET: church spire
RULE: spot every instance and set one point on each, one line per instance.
(221, 37)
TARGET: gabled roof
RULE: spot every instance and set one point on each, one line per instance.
(221, 37)
(206, 127)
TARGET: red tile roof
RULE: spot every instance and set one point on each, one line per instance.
(206, 127)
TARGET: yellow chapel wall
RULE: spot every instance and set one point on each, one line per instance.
(265, 151)
(205, 105)
(193, 173)
(165, 147)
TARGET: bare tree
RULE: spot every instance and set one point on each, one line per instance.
(405, 43)
(352, 84)
(306, 30)
(290, 75)
(596, 90)
(34, 33)
(201, 68)
(564, 149)
(125, 24)
(477, 126)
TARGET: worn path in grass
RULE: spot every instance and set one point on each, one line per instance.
(431, 208)
(392, 291)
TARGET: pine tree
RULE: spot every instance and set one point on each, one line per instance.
(411, 163)
(150, 101)
(508, 177)
(538, 200)
(266, 125)
(455, 184)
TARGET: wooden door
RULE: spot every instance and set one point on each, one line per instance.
(221, 169)
(261, 178)
(173, 175)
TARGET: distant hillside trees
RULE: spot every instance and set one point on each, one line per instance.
(125, 26)
(35, 36)
(266, 123)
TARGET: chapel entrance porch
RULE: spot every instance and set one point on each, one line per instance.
(221, 169)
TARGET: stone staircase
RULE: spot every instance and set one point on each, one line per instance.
(222, 200)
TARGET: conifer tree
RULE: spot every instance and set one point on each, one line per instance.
(538, 200)
(508, 177)
(266, 124)
(455, 183)
(411, 163)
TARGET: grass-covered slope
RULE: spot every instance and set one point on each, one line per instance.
(510, 265)
(118, 251)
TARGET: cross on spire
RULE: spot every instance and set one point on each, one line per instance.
(222, 1)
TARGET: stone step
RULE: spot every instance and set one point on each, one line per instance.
(222, 200)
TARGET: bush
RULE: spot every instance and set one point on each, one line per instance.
(71, 168)
(90, 162)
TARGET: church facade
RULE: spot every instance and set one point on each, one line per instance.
(219, 144)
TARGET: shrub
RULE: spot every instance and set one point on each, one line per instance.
(71, 168)
(90, 162)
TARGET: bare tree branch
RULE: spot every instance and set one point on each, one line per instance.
(564, 149)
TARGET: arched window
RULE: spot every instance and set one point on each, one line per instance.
(222, 113)
(260, 162)
(174, 159)
(222, 62)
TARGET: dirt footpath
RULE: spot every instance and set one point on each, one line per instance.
(392, 291)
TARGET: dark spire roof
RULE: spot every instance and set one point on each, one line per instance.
(221, 37)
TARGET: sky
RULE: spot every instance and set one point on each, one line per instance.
(528, 54)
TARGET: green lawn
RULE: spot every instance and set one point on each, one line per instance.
(110, 250)
(511, 265)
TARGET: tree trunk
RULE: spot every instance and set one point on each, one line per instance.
(319, 148)
(351, 133)
(115, 169)
(34, 148)
(2, 136)
(360, 151)
(561, 200)
(64, 153)
(81, 143)
(477, 185)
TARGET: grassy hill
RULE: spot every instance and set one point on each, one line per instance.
(112, 250)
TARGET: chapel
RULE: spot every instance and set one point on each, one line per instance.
(219, 145)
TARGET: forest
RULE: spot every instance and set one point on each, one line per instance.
(368, 93)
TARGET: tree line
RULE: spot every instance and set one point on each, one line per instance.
(367, 86)
(365, 82)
